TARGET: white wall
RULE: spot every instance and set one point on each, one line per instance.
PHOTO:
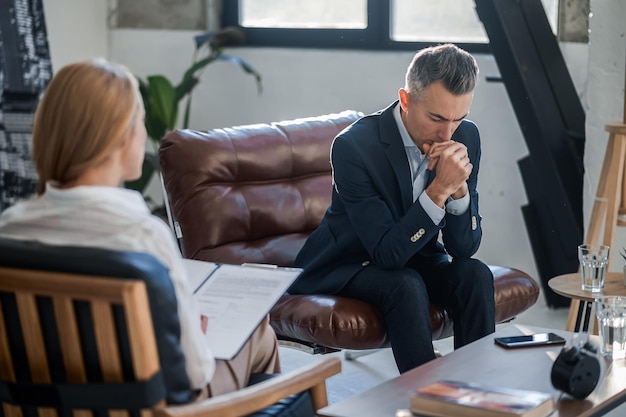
(300, 83)
(77, 29)
(605, 98)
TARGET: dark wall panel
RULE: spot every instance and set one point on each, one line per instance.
(25, 70)
(552, 121)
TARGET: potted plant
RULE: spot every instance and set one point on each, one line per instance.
(161, 97)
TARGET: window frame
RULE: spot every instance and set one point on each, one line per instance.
(376, 36)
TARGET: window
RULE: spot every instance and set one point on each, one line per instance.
(362, 24)
(324, 14)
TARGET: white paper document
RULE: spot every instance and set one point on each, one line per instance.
(198, 271)
(236, 298)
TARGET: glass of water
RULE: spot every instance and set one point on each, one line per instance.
(593, 265)
(611, 314)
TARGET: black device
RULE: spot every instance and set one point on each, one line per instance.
(537, 339)
(576, 370)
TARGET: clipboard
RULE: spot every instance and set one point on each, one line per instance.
(235, 298)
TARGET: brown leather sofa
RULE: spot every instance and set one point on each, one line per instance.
(254, 193)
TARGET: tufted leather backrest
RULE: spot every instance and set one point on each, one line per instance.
(250, 193)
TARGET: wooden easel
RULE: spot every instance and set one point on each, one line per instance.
(610, 202)
(609, 205)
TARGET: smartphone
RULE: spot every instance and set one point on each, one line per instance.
(538, 339)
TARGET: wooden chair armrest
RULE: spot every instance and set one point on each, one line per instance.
(256, 397)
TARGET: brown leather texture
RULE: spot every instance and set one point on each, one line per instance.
(254, 193)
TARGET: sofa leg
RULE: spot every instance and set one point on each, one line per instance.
(350, 355)
(311, 348)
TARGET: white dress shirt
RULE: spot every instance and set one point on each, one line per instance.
(118, 219)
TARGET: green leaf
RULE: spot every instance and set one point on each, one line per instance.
(154, 126)
(163, 101)
(153, 159)
(197, 66)
(222, 37)
(245, 67)
(146, 175)
(185, 87)
(187, 113)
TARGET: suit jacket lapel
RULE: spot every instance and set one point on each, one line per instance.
(395, 153)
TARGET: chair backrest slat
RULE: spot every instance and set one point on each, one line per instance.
(34, 343)
(7, 373)
(33, 337)
(47, 412)
(70, 340)
(142, 346)
(106, 340)
(12, 410)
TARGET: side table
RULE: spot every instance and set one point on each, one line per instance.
(569, 285)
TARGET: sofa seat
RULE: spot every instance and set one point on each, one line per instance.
(254, 193)
(343, 323)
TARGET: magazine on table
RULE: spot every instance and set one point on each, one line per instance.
(236, 298)
(455, 398)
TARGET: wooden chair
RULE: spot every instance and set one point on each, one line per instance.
(72, 342)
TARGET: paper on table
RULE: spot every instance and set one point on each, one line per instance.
(236, 298)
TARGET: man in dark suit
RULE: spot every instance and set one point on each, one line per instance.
(401, 178)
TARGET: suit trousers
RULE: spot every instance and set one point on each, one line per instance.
(463, 287)
(258, 355)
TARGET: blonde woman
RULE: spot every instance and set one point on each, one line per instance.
(88, 138)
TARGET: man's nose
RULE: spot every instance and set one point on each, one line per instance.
(446, 131)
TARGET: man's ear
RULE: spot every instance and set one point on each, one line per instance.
(404, 99)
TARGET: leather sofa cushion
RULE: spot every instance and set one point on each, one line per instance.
(344, 323)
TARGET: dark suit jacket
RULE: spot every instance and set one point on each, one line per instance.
(372, 218)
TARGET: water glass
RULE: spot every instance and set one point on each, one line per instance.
(611, 314)
(593, 265)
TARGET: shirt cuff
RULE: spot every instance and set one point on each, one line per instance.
(458, 207)
(435, 212)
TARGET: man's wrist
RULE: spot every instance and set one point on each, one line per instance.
(436, 196)
(460, 193)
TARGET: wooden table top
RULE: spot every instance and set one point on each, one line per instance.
(486, 363)
(569, 285)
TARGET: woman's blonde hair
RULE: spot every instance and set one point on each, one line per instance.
(86, 112)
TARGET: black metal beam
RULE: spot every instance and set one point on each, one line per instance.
(552, 121)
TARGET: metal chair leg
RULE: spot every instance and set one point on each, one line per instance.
(354, 354)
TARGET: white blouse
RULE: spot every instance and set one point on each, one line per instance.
(114, 218)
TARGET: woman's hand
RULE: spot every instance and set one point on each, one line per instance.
(204, 323)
